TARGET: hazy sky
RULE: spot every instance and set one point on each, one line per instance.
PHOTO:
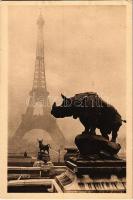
(85, 50)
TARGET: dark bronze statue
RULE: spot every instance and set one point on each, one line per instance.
(43, 147)
(92, 111)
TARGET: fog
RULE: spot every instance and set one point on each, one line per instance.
(85, 50)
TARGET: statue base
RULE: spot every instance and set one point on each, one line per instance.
(88, 176)
(43, 156)
(96, 147)
(43, 161)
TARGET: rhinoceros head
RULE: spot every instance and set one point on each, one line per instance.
(64, 110)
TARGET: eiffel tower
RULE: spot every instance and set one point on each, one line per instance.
(37, 115)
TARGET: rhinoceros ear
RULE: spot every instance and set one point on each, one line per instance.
(63, 97)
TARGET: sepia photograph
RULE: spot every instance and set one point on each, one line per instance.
(68, 93)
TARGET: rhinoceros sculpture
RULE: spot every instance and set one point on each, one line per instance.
(92, 111)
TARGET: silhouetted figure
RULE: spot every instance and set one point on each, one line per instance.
(25, 154)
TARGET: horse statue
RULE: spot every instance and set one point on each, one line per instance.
(43, 147)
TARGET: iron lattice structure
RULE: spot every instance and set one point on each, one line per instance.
(39, 98)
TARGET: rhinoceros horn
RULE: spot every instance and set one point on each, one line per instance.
(54, 105)
(63, 97)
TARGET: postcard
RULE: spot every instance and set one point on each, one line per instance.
(66, 99)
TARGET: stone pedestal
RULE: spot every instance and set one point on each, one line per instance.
(43, 156)
(70, 152)
(95, 145)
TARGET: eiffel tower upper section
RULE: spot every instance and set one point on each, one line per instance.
(39, 90)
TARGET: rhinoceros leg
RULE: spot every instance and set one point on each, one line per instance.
(85, 124)
(116, 126)
(105, 133)
(114, 134)
(89, 127)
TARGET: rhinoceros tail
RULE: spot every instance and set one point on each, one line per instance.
(124, 121)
